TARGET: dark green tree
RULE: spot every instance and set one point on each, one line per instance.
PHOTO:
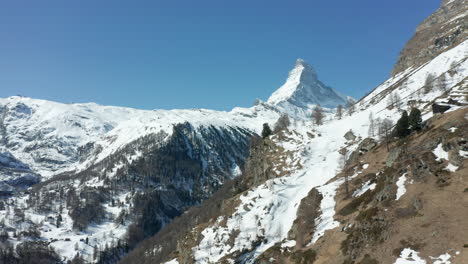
(402, 126)
(266, 130)
(414, 119)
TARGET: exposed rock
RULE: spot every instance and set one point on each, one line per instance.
(393, 156)
(442, 30)
(367, 144)
(437, 108)
(304, 226)
(349, 135)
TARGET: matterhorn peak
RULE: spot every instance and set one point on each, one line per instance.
(302, 89)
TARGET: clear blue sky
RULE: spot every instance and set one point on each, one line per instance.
(214, 54)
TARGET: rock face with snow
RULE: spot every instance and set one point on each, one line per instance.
(14, 175)
(47, 135)
(303, 88)
(443, 30)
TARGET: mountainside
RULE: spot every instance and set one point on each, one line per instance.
(441, 31)
(291, 205)
(85, 183)
(50, 136)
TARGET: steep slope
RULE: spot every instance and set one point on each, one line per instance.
(261, 222)
(441, 31)
(47, 135)
(302, 89)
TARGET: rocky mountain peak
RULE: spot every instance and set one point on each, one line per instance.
(303, 88)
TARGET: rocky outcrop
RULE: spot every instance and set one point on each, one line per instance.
(304, 226)
(349, 135)
(439, 109)
(367, 144)
(442, 30)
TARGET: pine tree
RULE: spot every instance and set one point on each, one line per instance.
(317, 115)
(414, 119)
(266, 132)
(402, 126)
(339, 112)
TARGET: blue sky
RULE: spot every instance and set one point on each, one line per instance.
(196, 54)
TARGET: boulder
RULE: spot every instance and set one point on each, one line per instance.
(437, 108)
(393, 156)
(367, 144)
(349, 135)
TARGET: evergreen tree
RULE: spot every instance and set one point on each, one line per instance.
(266, 132)
(402, 126)
(414, 119)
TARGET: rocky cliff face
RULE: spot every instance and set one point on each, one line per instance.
(441, 31)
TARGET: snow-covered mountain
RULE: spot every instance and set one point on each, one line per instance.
(261, 223)
(303, 89)
(53, 138)
(49, 136)
(119, 179)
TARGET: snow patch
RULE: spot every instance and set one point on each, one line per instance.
(442, 259)
(440, 153)
(452, 168)
(327, 207)
(401, 186)
(367, 186)
(409, 256)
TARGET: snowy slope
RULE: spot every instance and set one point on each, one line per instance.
(163, 120)
(46, 135)
(266, 213)
(51, 137)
